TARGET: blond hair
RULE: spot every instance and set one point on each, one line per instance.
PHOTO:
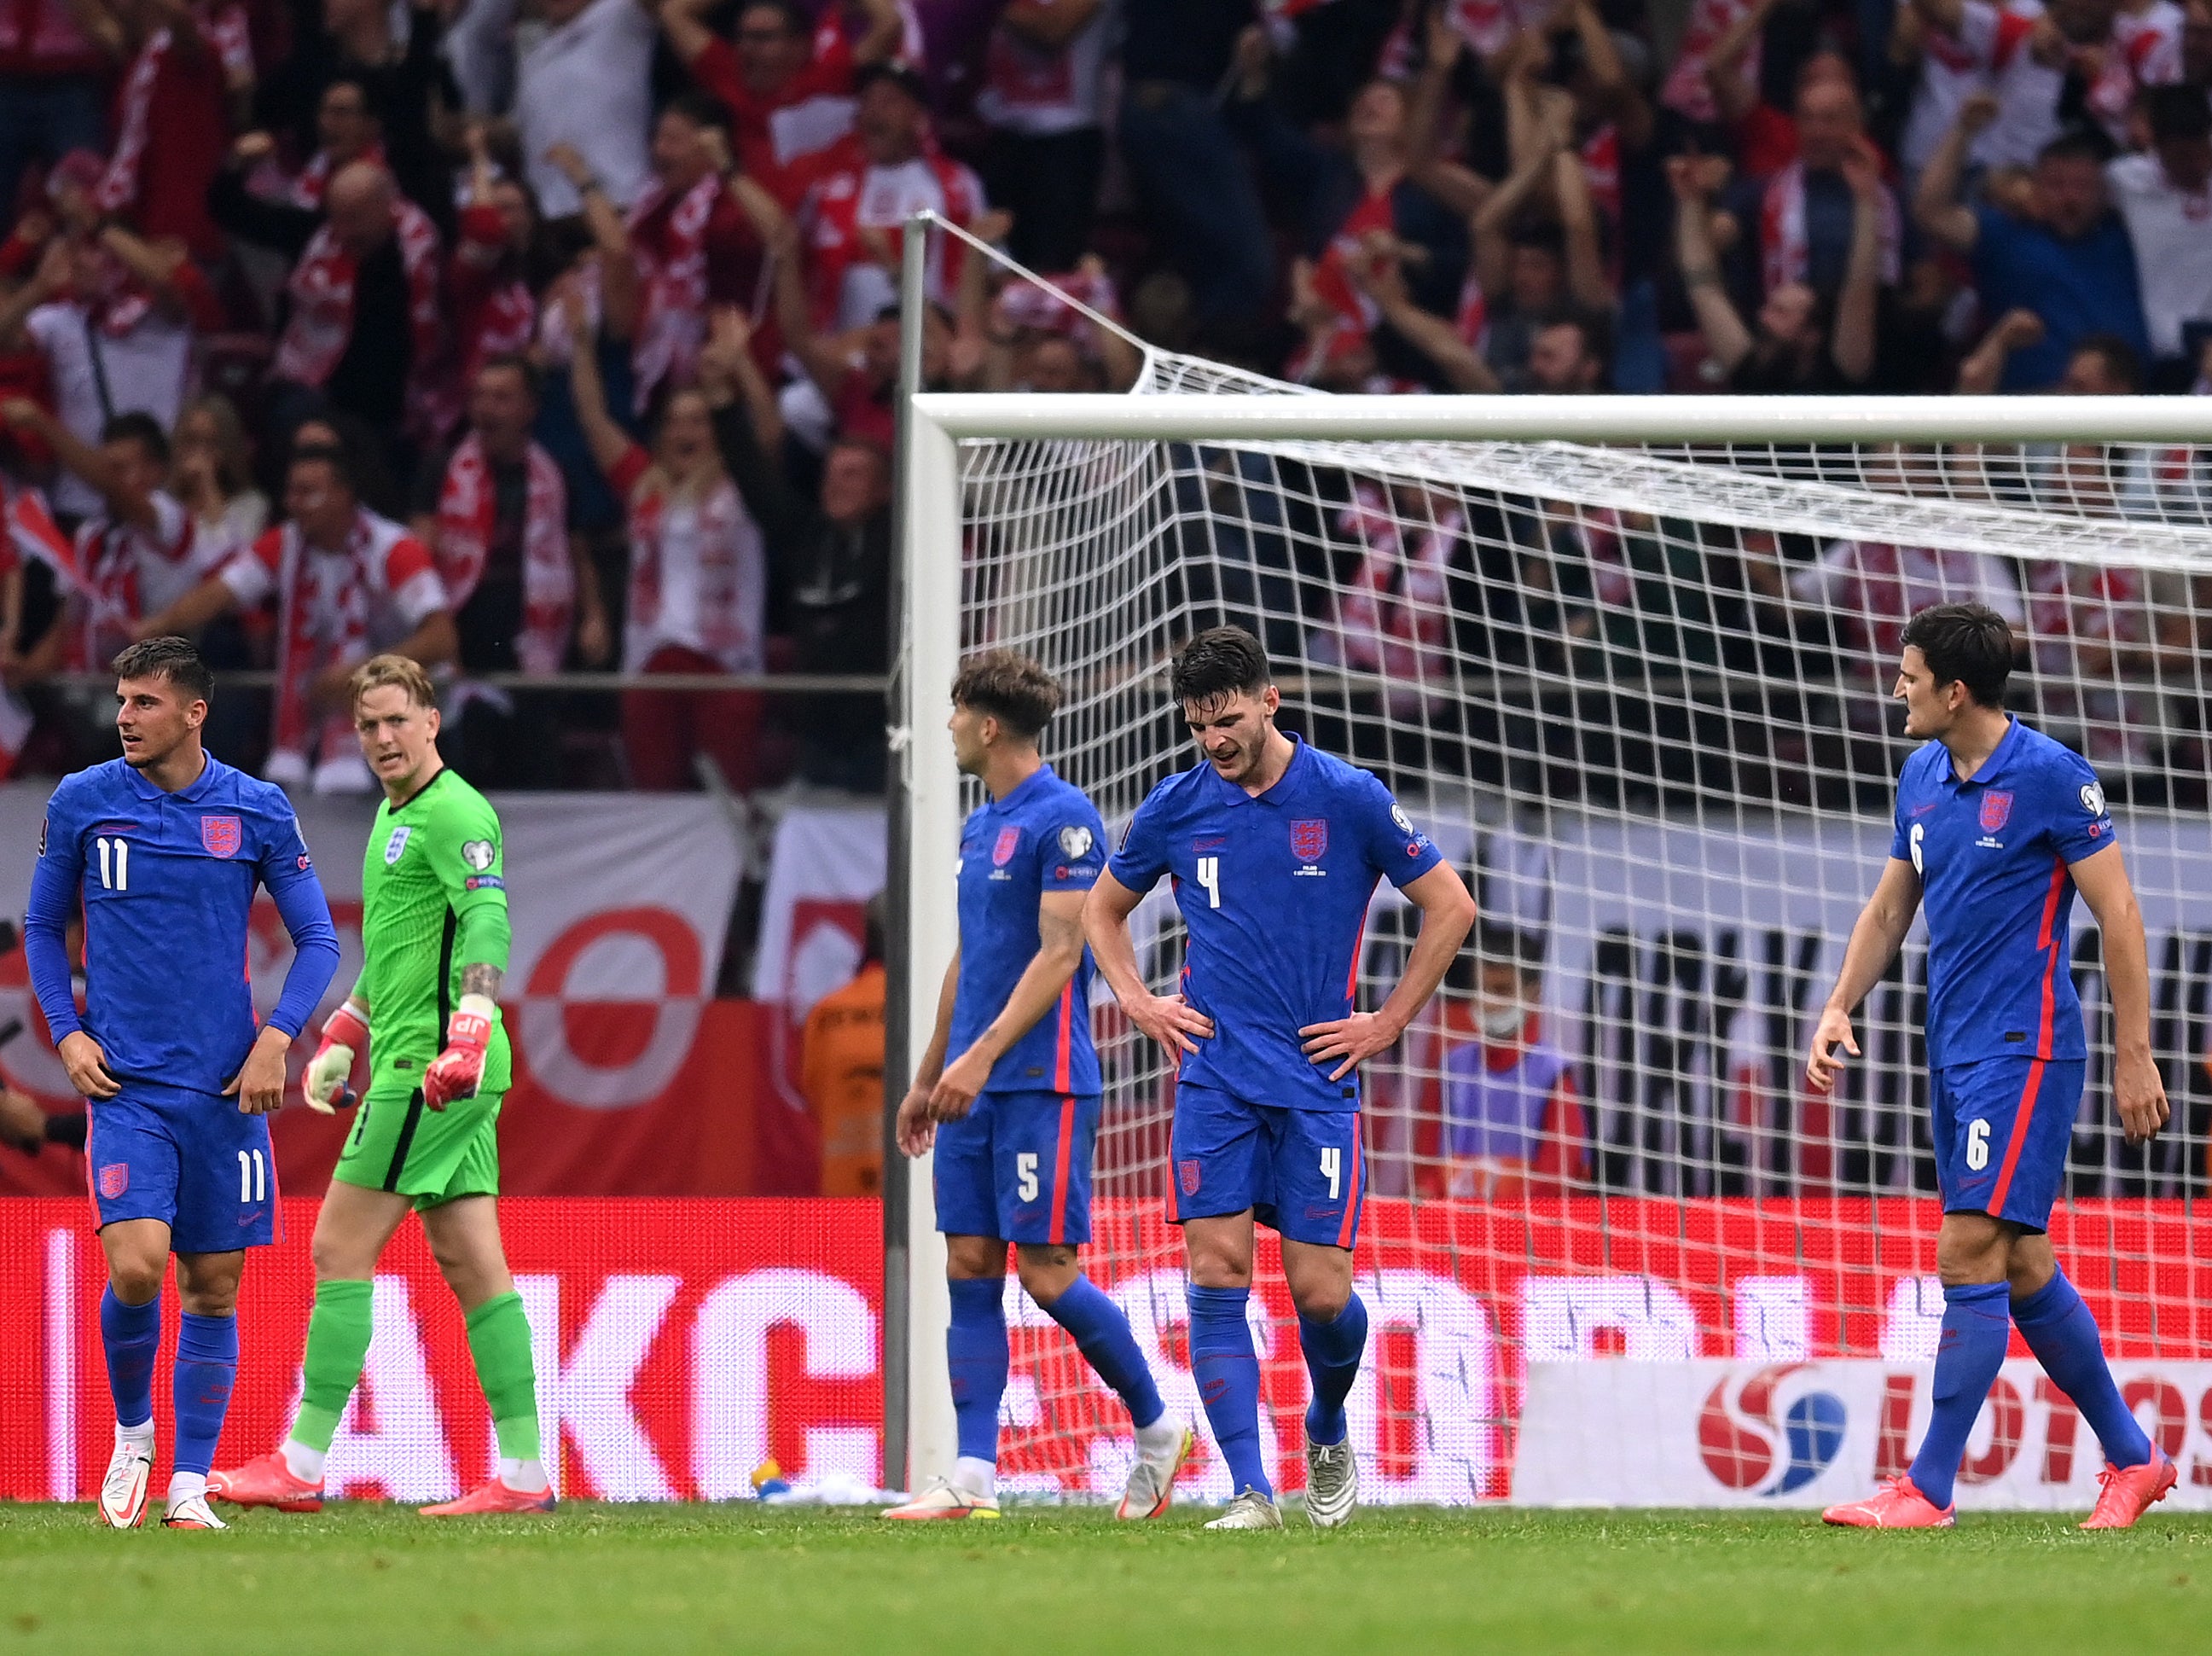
(380, 671)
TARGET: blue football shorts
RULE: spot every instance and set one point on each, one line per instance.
(1299, 1171)
(1018, 1167)
(193, 1160)
(2001, 1128)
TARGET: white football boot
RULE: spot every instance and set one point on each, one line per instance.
(1250, 1511)
(1331, 1484)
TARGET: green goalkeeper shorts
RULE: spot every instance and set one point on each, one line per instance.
(400, 1144)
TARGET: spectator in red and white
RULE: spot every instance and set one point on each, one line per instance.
(788, 86)
(695, 239)
(1535, 240)
(698, 584)
(2165, 198)
(1801, 340)
(347, 130)
(2145, 51)
(367, 329)
(490, 303)
(1394, 616)
(115, 317)
(137, 554)
(1688, 88)
(53, 87)
(391, 54)
(1036, 340)
(212, 472)
(1600, 70)
(1362, 188)
(2065, 256)
(1806, 209)
(189, 87)
(2016, 52)
(347, 584)
(495, 515)
(865, 188)
(588, 83)
(1043, 97)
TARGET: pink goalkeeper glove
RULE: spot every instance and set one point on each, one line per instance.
(323, 1084)
(458, 1071)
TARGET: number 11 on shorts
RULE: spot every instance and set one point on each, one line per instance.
(252, 1177)
(1332, 1169)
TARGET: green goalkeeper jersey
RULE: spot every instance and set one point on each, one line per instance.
(433, 900)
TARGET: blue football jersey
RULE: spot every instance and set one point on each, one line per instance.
(1993, 853)
(1273, 893)
(1044, 836)
(168, 882)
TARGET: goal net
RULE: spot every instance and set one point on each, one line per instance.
(1638, 693)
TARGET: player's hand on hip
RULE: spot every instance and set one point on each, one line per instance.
(1171, 1021)
(87, 1066)
(1822, 1068)
(259, 1086)
(1354, 1039)
(324, 1083)
(955, 1093)
(2139, 1092)
(916, 1128)
(458, 1071)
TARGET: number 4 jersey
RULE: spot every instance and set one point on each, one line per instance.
(1274, 891)
(433, 867)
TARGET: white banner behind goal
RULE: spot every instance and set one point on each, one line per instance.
(1638, 687)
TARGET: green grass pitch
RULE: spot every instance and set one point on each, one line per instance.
(665, 1580)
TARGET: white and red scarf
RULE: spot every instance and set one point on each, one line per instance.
(223, 30)
(104, 572)
(1395, 617)
(494, 311)
(716, 534)
(1688, 92)
(856, 195)
(322, 617)
(467, 505)
(321, 288)
(671, 318)
(1785, 249)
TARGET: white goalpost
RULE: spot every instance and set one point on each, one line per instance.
(1626, 660)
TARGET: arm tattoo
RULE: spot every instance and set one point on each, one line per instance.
(482, 979)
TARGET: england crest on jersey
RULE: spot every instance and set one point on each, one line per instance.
(1010, 840)
(1996, 810)
(397, 843)
(1309, 838)
(220, 836)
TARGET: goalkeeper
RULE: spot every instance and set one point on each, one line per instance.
(434, 939)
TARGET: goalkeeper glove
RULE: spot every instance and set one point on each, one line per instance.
(456, 1072)
(324, 1085)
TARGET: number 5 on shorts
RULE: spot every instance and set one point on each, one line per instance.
(1025, 1177)
(1332, 1169)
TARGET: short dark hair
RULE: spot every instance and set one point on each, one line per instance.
(515, 363)
(1596, 329)
(700, 108)
(907, 78)
(2077, 143)
(1969, 644)
(795, 21)
(178, 659)
(136, 425)
(2121, 361)
(321, 454)
(1010, 687)
(2177, 112)
(1498, 944)
(1220, 662)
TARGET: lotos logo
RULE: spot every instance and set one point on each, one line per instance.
(1738, 1444)
(1996, 810)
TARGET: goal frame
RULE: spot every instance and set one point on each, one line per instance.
(925, 791)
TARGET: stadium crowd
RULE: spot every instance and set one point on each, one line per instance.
(544, 335)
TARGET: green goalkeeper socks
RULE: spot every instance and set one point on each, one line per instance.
(337, 1344)
(499, 1339)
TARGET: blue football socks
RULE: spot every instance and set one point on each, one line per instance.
(1102, 1334)
(207, 1364)
(2062, 1334)
(1228, 1376)
(976, 1351)
(1976, 1327)
(130, 1335)
(1333, 1350)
